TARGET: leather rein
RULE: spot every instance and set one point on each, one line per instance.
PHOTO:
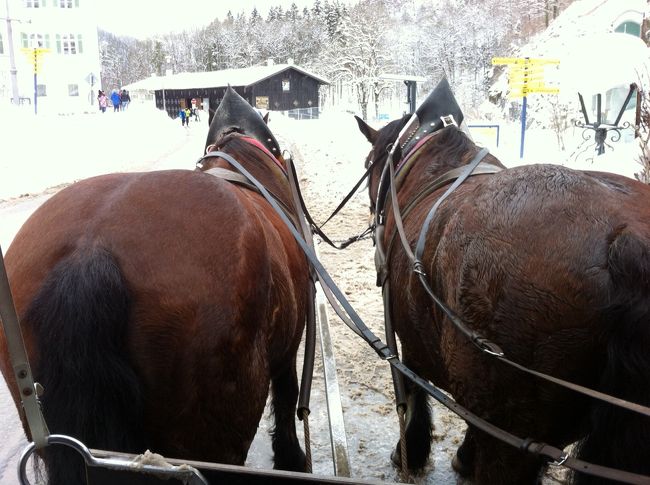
(294, 219)
(388, 352)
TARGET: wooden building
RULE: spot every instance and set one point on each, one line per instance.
(275, 87)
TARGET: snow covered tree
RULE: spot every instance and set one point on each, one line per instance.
(360, 55)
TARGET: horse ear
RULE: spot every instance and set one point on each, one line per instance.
(369, 132)
(266, 118)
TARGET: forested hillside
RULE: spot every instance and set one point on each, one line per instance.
(351, 45)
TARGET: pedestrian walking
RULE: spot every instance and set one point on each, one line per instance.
(183, 116)
(102, 100)
(125, 99)
(116, 100)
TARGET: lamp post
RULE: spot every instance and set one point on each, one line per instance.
(12, 59)
(602, 126)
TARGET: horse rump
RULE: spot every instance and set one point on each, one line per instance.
(617, 437)
(79, 320)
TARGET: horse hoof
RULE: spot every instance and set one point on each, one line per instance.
(459, 467)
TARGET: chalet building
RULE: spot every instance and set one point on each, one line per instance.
(64, 34)
(274, 87)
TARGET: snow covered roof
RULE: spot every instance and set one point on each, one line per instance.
(216, 79)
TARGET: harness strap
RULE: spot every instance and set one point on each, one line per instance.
(29, 390)
(317, 229)
(466, 172)
(239, 179)
(306, 379)
(349, 196)
(230, 176)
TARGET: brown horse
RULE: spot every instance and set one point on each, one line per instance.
(158, 307)
(551, 264)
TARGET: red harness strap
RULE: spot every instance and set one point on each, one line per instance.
(261, 146)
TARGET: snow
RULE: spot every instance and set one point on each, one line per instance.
(47, 150)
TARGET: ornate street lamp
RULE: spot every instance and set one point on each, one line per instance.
(604, 123)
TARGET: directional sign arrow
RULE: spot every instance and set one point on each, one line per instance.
(522, 61)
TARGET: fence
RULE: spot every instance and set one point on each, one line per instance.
(302, 113)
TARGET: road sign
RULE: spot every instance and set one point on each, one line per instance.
(516, 78)
(525, 76)
(34, 56)
(530, 85)
(521, 70)
(91, 79)
(520, 92)
(498, 61)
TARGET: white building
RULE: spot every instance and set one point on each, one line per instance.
(68, 73)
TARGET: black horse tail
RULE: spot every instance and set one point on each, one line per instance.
(79, 322)
(617, 437)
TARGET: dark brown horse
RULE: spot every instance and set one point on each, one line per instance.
(551, 264)
(158, 307)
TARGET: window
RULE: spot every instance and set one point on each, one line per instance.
(40, 90)
(262, 102)
(286, 85)
(31, 41)
(629, 27)
(34, 3)
(36, 40)
(73, 90)
(67, 3)
(67, 44)
(611, 103)
(2, 47)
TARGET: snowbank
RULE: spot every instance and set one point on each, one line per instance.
(43, 151)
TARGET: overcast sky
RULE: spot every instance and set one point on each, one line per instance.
(144, 18)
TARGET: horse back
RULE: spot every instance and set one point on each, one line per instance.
(525, 257)
(214, 278)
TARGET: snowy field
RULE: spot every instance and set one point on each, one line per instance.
(43, 154)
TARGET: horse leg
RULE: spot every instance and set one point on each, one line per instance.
(463, 461)
(287, 452)
(418, 430)
(498, 462)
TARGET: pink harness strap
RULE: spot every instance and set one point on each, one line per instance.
(259, 145)
(413, 151)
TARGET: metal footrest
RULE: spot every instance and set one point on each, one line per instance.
(141, 469)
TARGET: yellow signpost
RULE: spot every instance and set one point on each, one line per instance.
(34, 56)
(525, 76)
(528, 61)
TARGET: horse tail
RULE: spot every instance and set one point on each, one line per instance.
(617, 437)
(79, 321)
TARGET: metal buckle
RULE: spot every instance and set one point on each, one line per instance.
(418, 267)
(448, 120)
(561, 461)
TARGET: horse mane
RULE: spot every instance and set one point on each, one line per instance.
(453, 145)
(450, 143)
(271, 172)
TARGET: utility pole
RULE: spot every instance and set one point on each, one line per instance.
(12, 59)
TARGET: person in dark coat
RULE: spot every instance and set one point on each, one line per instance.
(125, 99)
